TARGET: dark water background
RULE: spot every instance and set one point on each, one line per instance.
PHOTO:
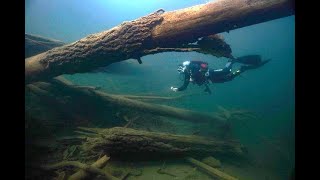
(268, 91)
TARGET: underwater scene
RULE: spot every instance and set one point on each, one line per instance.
(160, 90)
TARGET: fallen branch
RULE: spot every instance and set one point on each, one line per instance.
(82, 174)
(153, 97)
(129, 121)
(163, 171)
(160, 110)
(210, 170)
(82, 166)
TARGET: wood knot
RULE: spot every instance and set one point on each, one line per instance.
(160, 11)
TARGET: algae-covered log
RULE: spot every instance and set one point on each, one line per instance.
(154, 98)
(60, 84)
(84, 167)
(210, 170)
(118, 100)
(123, 142)
(82, 174)
(157, 32)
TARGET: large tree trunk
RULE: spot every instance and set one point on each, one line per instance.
(157, 32)
(216, 17)
(120, 142)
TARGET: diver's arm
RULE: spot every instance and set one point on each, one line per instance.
(207, 88)
(185, 83)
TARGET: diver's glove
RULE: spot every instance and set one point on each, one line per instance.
(174, 89)
(181, 69)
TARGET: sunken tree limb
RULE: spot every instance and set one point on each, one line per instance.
(82, 174)
(119, 141)
(82, 166)
(150, 34)
(47, 92)
(120, 101)
(210, 170)
(35, 44)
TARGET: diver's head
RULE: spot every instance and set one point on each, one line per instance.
(204, 67)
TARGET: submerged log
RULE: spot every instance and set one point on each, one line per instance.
(160, 110)
(154, 98)
(211, 161)
(210, 170)
(34, 44)
(84, 167)
(118, 100)
(216, 17)
(82, 174)
(123, 142)
(97, 98)
(157, 32)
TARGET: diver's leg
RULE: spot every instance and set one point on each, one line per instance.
(244, 68)
(232, 75)
(225, 70)
(228, 66)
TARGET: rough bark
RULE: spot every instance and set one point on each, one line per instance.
(216, 17)
(119, 141)
(157, 32)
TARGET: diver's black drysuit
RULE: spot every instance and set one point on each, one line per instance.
(198, 73)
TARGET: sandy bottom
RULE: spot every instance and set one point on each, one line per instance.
(175, 170)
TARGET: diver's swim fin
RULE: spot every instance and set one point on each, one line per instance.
(249, 59)
(246, 67)
(263, 62)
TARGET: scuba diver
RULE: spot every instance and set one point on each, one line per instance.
(198, 72)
